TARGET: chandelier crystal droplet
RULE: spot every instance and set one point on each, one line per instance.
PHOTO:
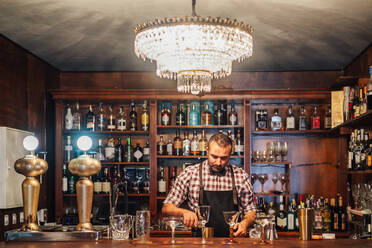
(194, 50)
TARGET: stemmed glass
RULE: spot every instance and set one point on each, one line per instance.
(231, 218)
(263, 221)
(172, 222)
(253, 179)
(202, 212)
(283, 180)
(284, 150)
(270, 151)
(262, 178)
(277, 151)
(275, 178)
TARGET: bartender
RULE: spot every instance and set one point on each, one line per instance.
(217, 183)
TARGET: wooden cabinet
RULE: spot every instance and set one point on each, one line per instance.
(312, 153)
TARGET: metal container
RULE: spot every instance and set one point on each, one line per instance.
(306, 218)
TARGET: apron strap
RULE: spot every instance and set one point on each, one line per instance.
(201, 190)
(235, 191)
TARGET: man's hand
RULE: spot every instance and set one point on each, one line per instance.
(241, 229)
(189, 218)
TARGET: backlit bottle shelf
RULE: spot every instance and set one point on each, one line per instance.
(200, 126)
(192, 157)
(292, 132)
(105, 194)
(77, 132)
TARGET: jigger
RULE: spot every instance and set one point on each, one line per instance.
(30, 166)
(84, 166)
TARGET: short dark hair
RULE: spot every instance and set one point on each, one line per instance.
(221, 139)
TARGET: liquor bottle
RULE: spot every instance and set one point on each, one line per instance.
(219, 116)
(239, 145)
(203, 144)
(328, 118)
(315, 119)
(64, 179)
(97, 184)
(172, 176)
(129, 151)
(110, 150)
(194, 149)
(111, 120)
(369, 90)
(363, 100)
(161, 147)
(146, 182)
(90, 120)
(146, 152)
(121, 120)
(281, 218)
(194, 117)
(68, 119)
(145, 121)
(76, 118)
(180, 115)
(136, 183)
(294, 208)
(271, 210)
(232, 138)
(261, 119)
(302, 121)
(318, 221)
(233, 115)
(106, 182)
(186, 143)
(290, 120)
(119, 151)
(341, 216)
(369, 157)
(71, 184)
(326, 217)
(334, 215)
(115, 179)
(68, 149)
(276, 121)
(291, 220)
(126, 180)
(170, 148)
(356, 104)
(177, 144)
(138, 153)
(101, 121)
(133, 117)
(161, 183)
(206, 118)
(165, 117)
(100, 151)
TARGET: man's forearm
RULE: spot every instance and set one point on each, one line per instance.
(172, 210)
(249, 218)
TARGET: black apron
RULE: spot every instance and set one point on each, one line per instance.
(219, 201)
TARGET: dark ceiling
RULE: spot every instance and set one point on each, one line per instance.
(96, 35)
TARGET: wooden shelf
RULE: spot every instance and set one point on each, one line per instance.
(191, 157)
(200, 126)
(271, 194)
(360, 172)
(127, 163)
(161, 197)
(359, 122)
(272, 163)
(76, 132)
(104, 194)
(292, 132)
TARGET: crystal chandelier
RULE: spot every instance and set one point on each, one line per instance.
(193, 49)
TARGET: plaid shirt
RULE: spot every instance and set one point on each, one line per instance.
(187, 186)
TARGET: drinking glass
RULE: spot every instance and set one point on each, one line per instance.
(284, 150)
(283, 178)
(255, 156)
(143, 227)
(202, 212)
(263, 177)
(253, 179)
(276, 150)
(120, 226)
(270, 149)
(263, 221)
(172, 222)
(275, 178)
(231, 218)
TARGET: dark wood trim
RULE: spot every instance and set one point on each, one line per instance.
(153, 161)
(59, 110)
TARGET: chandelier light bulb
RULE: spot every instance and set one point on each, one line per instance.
(84, 143)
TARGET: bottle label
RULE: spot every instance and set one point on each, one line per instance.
(68, 122)
(369, 160)
(202, 146)
(276, 123)
(170, 149)
(106, 187)
(165, 119)
(161, 186)
(186, 147)
(194, 146)
(111, 127)
(145, 120)
(327, 122)
(110, 153)
(281, 222)
(233, 120)
(180, 120)
(239, 148)
(302, 122)
(64, 184)
(122, 125)
(318, 221)
(350, 160)
(68, 148)
(101, 121)
(194, 119)
(146, 151)
(335, 221)
(138, 154)
(90, 125)
(291, 222)
(97, 187)
(178, 144)
(290, 122)
(316, 122)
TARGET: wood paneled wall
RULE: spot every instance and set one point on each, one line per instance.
(23, 83)
(359, 66)
(237, 80)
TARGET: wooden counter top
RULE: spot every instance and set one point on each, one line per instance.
(188, 242)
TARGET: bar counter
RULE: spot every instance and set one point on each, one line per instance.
(188, 242)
